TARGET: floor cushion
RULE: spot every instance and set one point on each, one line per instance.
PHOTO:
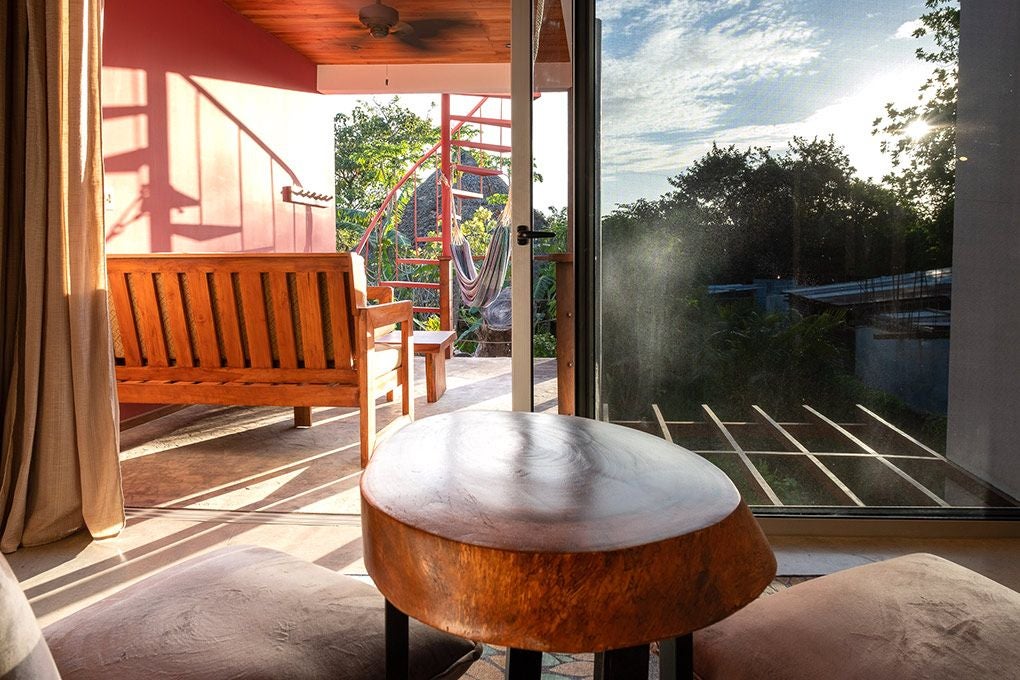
(23, 653)
(916, 617)
(245, 613)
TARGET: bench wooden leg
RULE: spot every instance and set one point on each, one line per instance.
(406, 376)
(302, 416)
(391, 395)
(407, 393)
(367, 428)
(435, 375)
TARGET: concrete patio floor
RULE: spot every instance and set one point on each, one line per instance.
(255, 460)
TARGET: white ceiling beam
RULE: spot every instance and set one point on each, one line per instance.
(426, 78)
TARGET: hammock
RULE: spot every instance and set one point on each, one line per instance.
(478, 288)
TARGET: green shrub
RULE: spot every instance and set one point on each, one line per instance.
(544, 345)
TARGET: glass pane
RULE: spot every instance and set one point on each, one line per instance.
(552, 277)
(780, 187)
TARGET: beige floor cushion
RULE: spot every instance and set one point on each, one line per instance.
(245, 613)
(917, 617)
(23, 653)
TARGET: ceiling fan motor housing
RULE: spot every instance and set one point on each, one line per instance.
(379, 19)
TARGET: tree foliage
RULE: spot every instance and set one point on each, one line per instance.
(374, 145)
(924, 166)
(734, 216)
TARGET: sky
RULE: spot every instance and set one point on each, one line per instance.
(678, 75)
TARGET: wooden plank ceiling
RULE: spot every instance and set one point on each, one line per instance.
(446, 31)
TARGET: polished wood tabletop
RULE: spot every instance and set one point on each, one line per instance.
(556, 533)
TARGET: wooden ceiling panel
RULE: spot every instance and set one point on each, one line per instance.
(447, 31)
(552, 44)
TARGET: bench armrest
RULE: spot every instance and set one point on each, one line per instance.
(379, 294)
(379, 316)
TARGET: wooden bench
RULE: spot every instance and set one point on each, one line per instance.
(435, 345)
(258, 330)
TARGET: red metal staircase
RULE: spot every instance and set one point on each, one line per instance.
(417, 265)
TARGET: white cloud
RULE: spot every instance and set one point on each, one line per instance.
(906, 29)
(610, 12)
(672, 68)
(848, 119)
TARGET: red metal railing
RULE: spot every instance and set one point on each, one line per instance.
(447, 133)
(445, 194)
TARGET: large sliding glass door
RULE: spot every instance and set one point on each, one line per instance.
(784, 231)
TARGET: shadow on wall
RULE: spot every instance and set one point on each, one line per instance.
(205, 120)
(214, 208)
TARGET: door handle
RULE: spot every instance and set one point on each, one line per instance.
(525, 235)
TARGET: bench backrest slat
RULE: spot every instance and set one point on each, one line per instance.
(149, 321)
(201, 318)
(242, 311)
(256, 323)
(169, 289)
(226, 314)
(125, 333)
(343, 348)
(313, 339)
(282, 318)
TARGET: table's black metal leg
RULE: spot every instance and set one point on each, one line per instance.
(676, 658)
(396, 643)
(523, 664)
(629, 663)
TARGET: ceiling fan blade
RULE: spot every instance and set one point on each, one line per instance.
(402, 28)
(411, 39)
(430, 28)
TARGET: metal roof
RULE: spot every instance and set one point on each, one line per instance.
(895, 288)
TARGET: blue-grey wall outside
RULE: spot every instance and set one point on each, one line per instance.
(914, 369)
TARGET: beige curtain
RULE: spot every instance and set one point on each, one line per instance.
(58, 463)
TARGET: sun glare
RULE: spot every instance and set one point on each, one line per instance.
(917, 129)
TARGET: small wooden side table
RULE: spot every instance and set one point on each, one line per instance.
(552, 533)
(435, 345)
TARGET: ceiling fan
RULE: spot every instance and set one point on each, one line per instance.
(382, 21)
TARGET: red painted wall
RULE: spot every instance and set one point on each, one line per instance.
(205, 119)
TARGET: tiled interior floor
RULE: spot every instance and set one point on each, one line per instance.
(205, 477)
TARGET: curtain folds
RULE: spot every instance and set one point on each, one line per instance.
(59, 469)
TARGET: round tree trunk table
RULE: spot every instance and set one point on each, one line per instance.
(551, 533)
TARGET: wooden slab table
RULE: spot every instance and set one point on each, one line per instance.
(552, 533)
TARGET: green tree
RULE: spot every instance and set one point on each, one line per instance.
(374, 146)
(924, 165)
(799, 213)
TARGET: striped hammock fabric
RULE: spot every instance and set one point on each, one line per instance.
(479, 287)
